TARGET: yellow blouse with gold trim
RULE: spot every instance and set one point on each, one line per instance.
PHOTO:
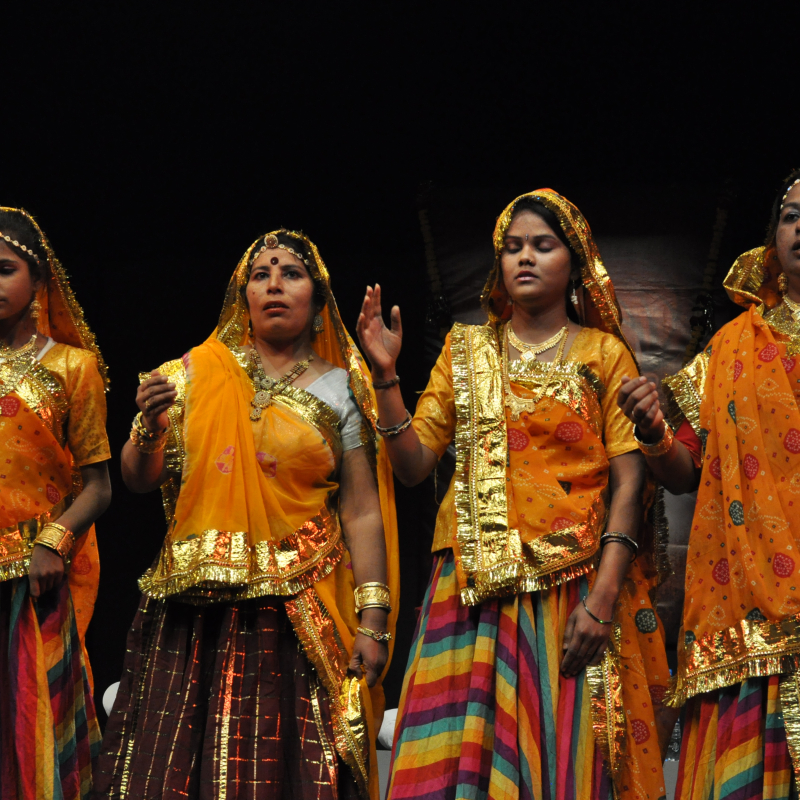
(52, 421)
(528, 501)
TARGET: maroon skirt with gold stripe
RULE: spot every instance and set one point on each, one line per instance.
(219, 702)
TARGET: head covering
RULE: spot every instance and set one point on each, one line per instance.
(753, 278)
(599, 302)
(61, 317)
(334, 343)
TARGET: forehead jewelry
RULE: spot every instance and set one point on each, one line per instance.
(783, 202)
(20, 246)
(271, 243)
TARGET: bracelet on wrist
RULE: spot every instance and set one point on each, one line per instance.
(146, 441)
(660, 448)
(395, 430)
(386, 384)
(596, 619)
(372, 595)
(56, 537)
(378, 636)
(621, 538)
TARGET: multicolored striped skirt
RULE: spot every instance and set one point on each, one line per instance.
(485, 712)
(49, 734)
(734, 745)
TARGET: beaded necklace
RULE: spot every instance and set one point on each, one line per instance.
(266, 387)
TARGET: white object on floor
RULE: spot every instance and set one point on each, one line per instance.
(109, 696)
(386, 733)
(670, 778)
(384, 760)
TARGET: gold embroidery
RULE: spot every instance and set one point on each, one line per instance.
(684, 392)
(790, 708)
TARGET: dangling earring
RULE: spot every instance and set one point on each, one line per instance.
(36, 308)
(319, 325)
(250, 330)
(783, 283)
(574, 296)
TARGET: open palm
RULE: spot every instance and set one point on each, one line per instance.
(380, 344)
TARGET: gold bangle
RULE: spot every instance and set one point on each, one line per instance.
(56, 537)
(378, 636)
(144, 440)
(660, 448)
(396, 430)
(372, 595)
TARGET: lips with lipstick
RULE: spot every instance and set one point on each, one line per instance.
(275, 306)
(525, 276)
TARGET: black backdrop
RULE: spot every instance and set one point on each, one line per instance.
(155, 142)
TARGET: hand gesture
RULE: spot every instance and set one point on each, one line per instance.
(638, 399)
(46, 570)
(369, 658)
(155, 397)
(380, 344)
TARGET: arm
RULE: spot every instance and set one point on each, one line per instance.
(362, 526)
(143, 472)
(47, 566)
(585, 641)
(412, 461)
(675, 470)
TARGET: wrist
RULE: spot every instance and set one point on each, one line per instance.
(651, 435)
(383, 374)
(375, 618)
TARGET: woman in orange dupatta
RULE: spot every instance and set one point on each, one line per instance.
(538, 666)
(737, 441)
(53, 485)
(248, 669)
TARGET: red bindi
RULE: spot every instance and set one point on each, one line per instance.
(273, 260)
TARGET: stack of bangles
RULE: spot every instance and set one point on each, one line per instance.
(660, 448)
(395, 430)
(621, 538)
(145, 441)
(56, 537)
(373, 595)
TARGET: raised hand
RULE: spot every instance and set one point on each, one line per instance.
(380, 344)
(638, 399)
(155, 397)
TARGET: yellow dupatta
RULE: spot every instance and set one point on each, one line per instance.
(256, 511)
(39, 479)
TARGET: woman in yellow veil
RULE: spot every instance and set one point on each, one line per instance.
(255, 660)
(538, 666)
(53, 485)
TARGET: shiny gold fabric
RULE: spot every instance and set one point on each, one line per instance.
(599, 300)
(684, 392)
(753, 278)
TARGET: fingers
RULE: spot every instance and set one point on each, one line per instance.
(33, 582)
(598, 656)
(397, 325)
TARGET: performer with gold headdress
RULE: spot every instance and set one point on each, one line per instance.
(538, 666)
(737, 441)
(53, 485)
(254, 663)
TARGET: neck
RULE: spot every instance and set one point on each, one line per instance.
(536, 325)
(279, 356)
(793, 292)
(17, 330)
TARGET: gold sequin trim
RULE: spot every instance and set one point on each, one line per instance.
(220, 566)
(790, 708)
(684, 392)
(16, 541)
(749, 649)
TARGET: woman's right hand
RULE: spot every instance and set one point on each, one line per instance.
(638, 399)
(380, 344)
(155, 397)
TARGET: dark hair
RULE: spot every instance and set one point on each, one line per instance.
(20, 228)
(550, 218)
(300, 247)
(774, 218)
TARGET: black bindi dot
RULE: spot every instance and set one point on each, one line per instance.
(273, 260)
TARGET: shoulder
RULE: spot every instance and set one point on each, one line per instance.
(603, 352)
(70, 363)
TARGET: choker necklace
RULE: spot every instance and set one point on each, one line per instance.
(266, 387)
(528, 352)
(11, 354)
(792, 306)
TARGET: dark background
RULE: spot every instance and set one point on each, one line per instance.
(154, 142)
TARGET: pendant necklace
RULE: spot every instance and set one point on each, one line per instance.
(15, 364)
(266, 387)
(528, 352)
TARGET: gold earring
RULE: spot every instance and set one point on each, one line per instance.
(783, 283)
(319, 326)
(36, 308)
(574, 295)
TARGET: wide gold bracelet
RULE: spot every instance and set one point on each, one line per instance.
(660, 448)
(372, 595)
(378, 636)
(144, 440)
(56, 537)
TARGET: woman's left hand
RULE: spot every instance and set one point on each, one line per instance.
(46, 570)
(370, 655)
(585, 641)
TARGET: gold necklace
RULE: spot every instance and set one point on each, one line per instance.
(528, 352)
(11, 354)
(516, 404)
(792, 306)
(266, 387)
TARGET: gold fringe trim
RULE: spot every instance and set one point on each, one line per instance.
(790, 707)
(15, 569)
(517, 578)
(324, 649)
(608, 713)
(684, 391)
